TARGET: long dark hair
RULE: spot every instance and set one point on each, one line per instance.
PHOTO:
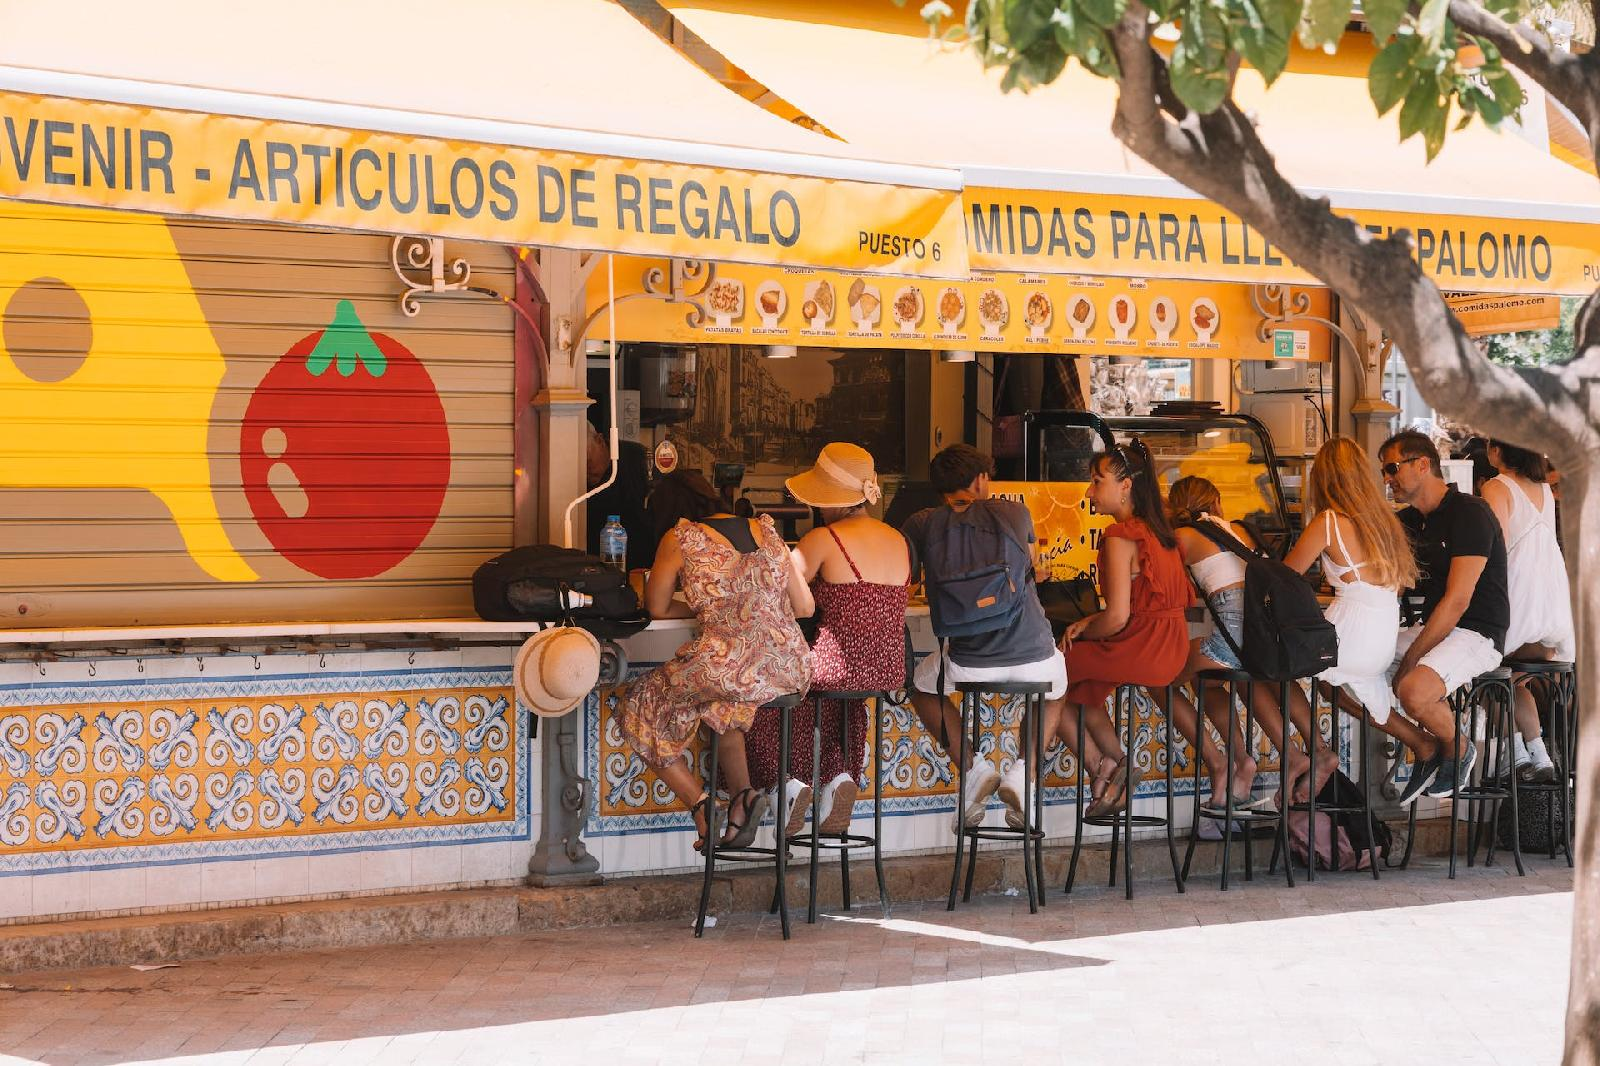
(1132, 462)
(1521, 461)
(681, 494)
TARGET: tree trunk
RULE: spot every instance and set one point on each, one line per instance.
(1580, 513)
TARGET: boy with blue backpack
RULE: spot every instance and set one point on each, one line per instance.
(977, 555)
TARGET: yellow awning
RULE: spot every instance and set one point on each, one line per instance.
(1492, 213)
(560, 122)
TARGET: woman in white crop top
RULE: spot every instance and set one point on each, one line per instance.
(1536, 582)
(1220, 577)
(1366, 559)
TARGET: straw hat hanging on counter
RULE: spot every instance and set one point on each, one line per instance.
(555, 669)
(844, 475)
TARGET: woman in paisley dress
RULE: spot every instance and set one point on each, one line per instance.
(860, 572)
(742, 585)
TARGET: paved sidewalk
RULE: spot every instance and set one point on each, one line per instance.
(1414, 969)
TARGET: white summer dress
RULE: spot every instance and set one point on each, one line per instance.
(1536, 576)
(1367, 619)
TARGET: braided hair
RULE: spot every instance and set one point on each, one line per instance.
(1132, 462)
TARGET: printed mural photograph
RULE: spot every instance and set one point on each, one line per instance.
(762, 530)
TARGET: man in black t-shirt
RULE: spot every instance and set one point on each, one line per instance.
(1461, 557)
(1022, 650)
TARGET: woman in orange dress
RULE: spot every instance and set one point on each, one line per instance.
(1141, 637)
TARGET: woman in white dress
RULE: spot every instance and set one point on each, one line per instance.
(1536, 579)
(1366, 558)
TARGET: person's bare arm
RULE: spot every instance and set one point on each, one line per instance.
(1497, 494)
(1464, 573)
(800, 598)
(663, 582)
(811, 551)
(1312, 543)
(1116, 585)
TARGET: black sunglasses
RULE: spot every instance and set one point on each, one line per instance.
(1391, 469)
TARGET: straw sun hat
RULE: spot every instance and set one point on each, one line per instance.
(555, 669)
(842, 477)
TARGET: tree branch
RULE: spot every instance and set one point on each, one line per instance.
(1566, 76)
(1221, 157)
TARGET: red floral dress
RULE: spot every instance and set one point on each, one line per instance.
(748, 649)
(860, 645)
(1154, 645)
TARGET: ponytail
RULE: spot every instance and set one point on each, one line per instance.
(1132, 462)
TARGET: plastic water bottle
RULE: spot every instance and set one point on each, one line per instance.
(614, 544)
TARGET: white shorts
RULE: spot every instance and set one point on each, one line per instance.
(1053, 670)
(1461, 656)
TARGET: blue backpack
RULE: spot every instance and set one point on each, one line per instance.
(978, 572)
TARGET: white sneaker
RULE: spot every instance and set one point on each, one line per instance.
(799, 806)
(982, 780)
(838, 805)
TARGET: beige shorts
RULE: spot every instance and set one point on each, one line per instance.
(1053, 670)
(1461, 656)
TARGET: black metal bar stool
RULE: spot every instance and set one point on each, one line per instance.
(1310, 807)
(1122, 822)
(1554, 684)
(845, 842)
(778, 854)
(1488, 694)
(1031, 834)
(1231, 680)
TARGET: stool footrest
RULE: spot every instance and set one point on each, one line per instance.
(1243, 817)
(748, 855)
(1115, 819)
(832, 840)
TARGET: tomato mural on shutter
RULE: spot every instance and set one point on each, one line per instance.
(345, 451)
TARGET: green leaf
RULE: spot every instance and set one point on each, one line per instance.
(1474, 99)
(1324, 22)
(1098, 56)
(1434, 128)
(1390, 76)
(345, 343)
(1384, 17)
(1431, 21)
(1261, 34)
(1199, 59)
(1507, 90)
(1422, 102)
(1028, 21)
(1103, 13)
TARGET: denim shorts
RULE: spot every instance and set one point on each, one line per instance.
(1229, 607)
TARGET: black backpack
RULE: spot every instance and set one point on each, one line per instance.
(979, 574)
(528, 584)
(1285, 633)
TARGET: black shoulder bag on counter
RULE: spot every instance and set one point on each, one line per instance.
(534, 584)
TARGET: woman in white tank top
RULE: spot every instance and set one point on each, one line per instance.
(1366, 560)
(1220, 577)
(1536, 581)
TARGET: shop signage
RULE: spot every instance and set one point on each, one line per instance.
(183, 163)
(1482, 314)
(1086, 233)
(997, 313)
(666, 457)
(1291, 343)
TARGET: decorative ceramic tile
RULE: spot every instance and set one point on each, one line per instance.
(218, 767)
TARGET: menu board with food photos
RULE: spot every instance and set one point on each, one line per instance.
(994, 313)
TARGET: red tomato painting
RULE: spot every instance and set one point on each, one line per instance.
(345, 452)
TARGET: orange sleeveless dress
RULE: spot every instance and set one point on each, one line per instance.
(1154, 645)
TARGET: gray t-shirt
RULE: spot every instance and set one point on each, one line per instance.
(1027, 638)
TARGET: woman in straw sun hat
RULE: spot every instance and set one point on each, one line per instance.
(859, 571)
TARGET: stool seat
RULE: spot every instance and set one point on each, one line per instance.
(1499, 673)
(1538, 666)
(786, 702)
(1223, 674)
(1005, 688)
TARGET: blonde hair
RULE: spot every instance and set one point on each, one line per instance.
(1189, 498)
(1342, 481)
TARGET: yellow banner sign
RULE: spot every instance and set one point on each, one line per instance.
(177, 162)
(1014, 313)
(1482, 315)
(1073, 233)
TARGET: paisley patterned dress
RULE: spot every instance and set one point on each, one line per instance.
(748, 650)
